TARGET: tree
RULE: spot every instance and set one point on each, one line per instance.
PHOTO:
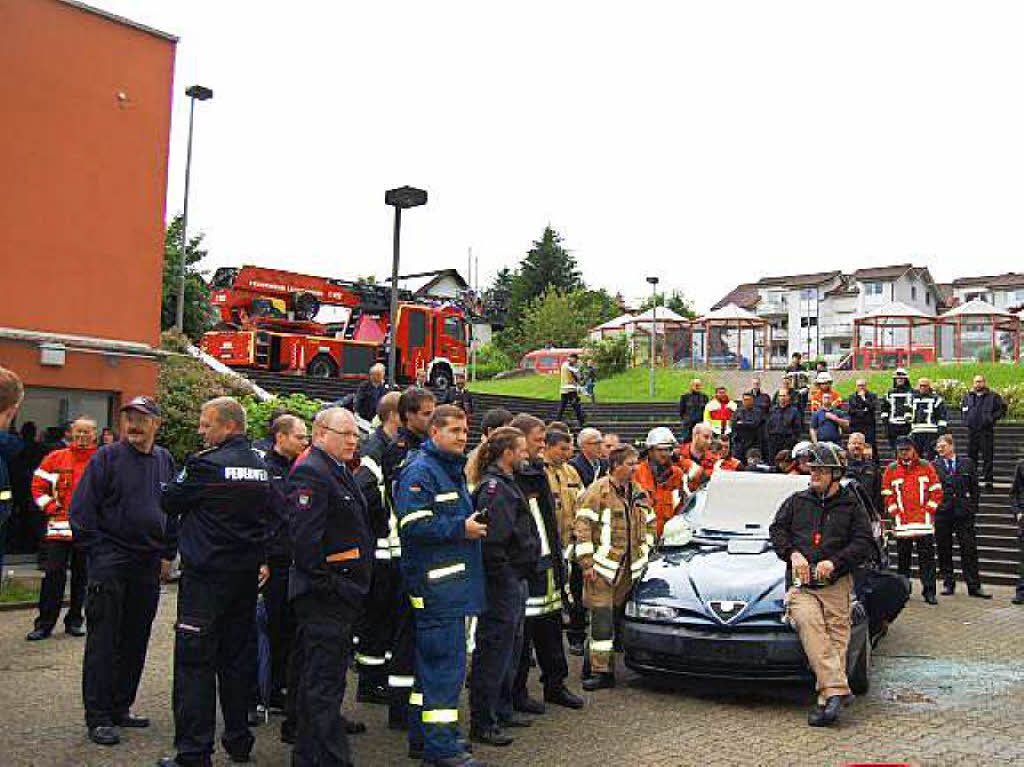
(198, 317)
(498, 298)
(547, 265)
(677, 302)
(559, 318)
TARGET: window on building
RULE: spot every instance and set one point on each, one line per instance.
(913, 292)
(1018, 297)
(927, 299)
(808, 322)
(809, 294)
(873, 288)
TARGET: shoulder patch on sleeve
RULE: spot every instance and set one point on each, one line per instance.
(304, 497)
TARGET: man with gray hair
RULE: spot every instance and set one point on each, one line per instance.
(369, 393)
(587, 461)
(329, 580)
(222, 500)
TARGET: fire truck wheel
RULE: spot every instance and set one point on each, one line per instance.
(441, 377)
(321, 366)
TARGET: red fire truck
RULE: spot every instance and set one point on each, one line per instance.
(282, 321)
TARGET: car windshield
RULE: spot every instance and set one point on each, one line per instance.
(740, 504)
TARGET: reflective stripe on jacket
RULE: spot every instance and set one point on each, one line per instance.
(614, 528)
(54, 483)
(911, 496)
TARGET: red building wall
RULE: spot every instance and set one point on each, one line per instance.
(83, 152)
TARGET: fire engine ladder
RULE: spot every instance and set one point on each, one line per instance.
(353, 322)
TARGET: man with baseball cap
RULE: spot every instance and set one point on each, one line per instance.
(117, 520)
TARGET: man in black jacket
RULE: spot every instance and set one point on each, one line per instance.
(129, 543)
(459, 395)
(897, 408)
(376, 625)
(823, 534)
(222, 499)
(956, 514)
(511, 549)
(861, 408)
(864, 470)
(289, 438)
(329, 581)
(747, 424)
(982, 408)
(784, 425)
(369, 393)
(546, 582)
(691, 409)
(587, 461)
(1017, 499)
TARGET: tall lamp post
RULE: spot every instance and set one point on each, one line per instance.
(195, 93)
(654, 328)
(400, 198)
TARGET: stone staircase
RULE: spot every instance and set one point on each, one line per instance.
(998, 545)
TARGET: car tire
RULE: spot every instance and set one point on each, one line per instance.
(860, 680)
(321, 366)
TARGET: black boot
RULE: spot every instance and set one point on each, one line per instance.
(560, 696)
(527, 705)
(832, 706)
(104, 736)
(978, 593)
(930, 598)
(490, 736)
(602, 680)
(816, 717)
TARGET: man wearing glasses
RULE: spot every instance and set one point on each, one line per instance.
(330, 576)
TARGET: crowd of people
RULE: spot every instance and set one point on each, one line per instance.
(399, 552)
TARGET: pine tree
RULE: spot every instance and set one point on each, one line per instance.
(547, 265)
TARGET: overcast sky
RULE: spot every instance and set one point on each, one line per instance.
(707, 143)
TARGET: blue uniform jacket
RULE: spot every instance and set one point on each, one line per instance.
(442, 569)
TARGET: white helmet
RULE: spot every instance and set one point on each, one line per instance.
(801, 448)
(661, 436)
(823, 377)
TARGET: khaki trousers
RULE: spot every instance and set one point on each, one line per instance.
(822, 619)
(603, 598)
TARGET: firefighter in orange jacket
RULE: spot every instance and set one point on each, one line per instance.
(912, 492)
(659, 477)
(52, 487)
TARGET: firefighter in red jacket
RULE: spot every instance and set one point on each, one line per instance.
(52, 487)
(718, 413)
(912, 492)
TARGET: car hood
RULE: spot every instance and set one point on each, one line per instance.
(708, 585)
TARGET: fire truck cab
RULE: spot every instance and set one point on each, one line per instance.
(281, 321)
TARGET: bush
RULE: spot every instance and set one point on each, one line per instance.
(491, 360)
(608, 355)
(258, 412)
(183, 386)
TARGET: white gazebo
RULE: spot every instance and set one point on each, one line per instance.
(976, 324)
(885, 337)
(723, 328)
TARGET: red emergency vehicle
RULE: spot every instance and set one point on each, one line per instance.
(282, 321)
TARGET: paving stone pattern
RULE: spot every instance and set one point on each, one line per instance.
(948, 688)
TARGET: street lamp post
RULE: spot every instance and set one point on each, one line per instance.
(400, 198)
(200, 93)
(654, 328)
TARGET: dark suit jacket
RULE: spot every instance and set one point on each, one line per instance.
(960, 492)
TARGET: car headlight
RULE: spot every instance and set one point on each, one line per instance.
(650, 612)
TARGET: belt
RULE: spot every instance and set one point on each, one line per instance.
(343, 556)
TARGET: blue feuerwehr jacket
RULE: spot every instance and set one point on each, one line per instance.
(441, 568)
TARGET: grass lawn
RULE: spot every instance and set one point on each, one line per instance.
(997, 375)
(630, 386)
(20, 590)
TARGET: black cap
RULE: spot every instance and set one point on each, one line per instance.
(143, 405)
(905, 441)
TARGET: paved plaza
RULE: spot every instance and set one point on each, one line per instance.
(947, 688)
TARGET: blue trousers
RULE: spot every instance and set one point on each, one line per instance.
(440, 674)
